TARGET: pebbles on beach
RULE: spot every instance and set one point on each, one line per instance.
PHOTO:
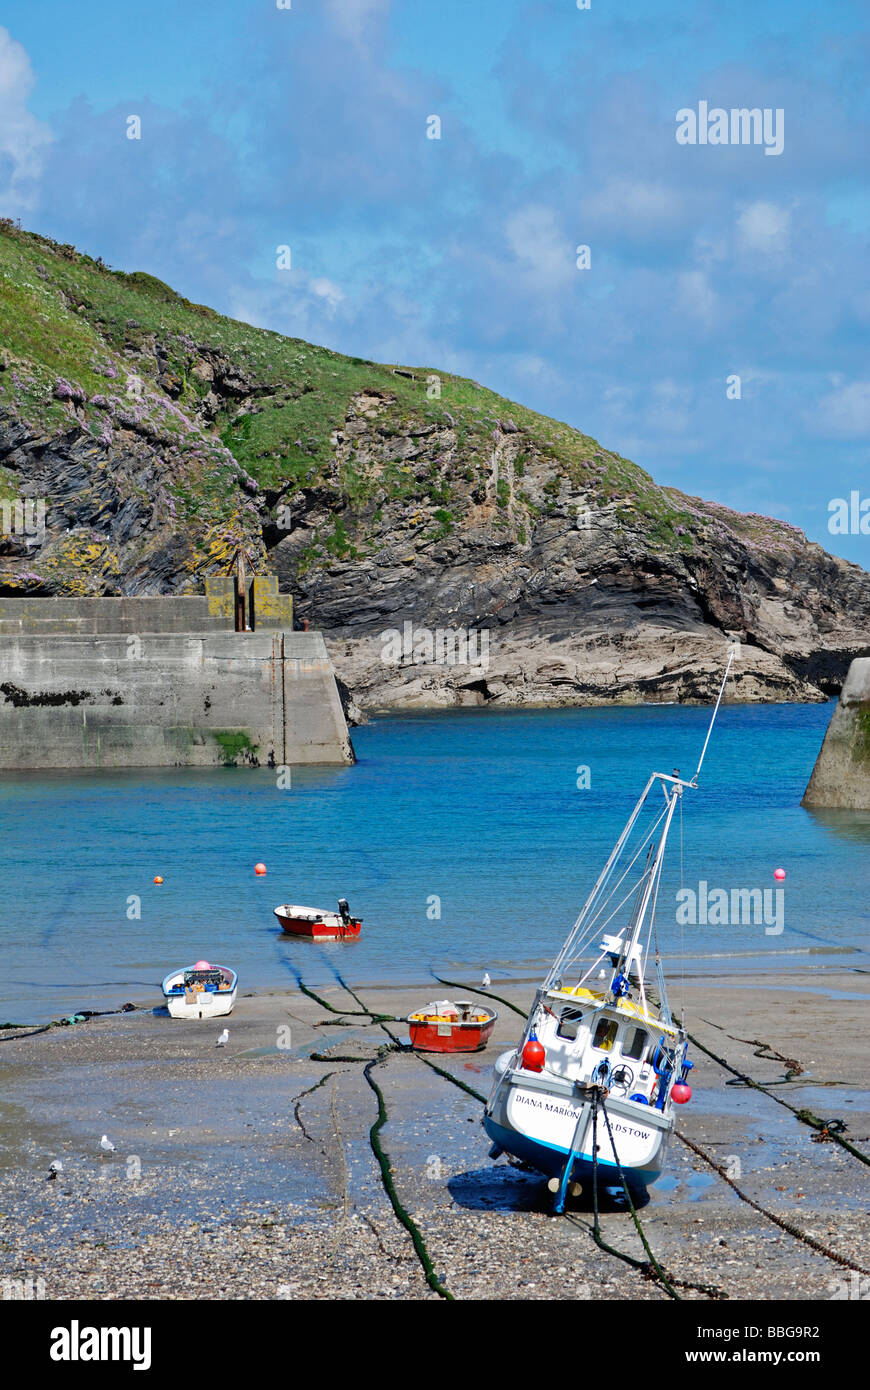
(255, 1178)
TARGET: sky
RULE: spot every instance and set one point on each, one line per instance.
(716, 332)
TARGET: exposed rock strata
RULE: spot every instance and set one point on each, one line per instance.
(164, 437)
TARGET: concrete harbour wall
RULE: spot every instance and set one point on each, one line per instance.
(841, 776)
(130, 697)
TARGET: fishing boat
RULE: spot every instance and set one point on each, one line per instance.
(590, 1092)
(442, 1026)
(317, 923)
(200, 991)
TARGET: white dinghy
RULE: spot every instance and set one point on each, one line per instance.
(200, 990)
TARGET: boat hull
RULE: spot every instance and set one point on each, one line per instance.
(327, 927)
(189, 1003)
(540, 1126)
(450, 1037)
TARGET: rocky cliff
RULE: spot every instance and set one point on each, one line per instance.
(453, 546)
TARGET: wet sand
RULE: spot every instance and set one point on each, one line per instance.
(247, 1172)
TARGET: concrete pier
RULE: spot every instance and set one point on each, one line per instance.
(86, 685)
(841, 776)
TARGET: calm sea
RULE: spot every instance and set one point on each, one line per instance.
(461, 838)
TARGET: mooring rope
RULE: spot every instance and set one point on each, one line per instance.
(488, 994)
(650, 1268)
(390, 1188)
(401, 1212)
(777, 1220)
(805, 1116)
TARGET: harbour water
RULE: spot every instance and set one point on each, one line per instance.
(467, 840)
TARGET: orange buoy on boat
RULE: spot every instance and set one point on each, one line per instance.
(534, 1055)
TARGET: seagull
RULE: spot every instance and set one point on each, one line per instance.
(54, 1167)
(223, 1039)
(602, 974)
(486, 980)
(106, 1145)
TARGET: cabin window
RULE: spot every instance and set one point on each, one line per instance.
(569, 1024)
(605, 1034)
(635, 1045)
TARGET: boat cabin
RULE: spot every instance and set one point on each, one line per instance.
(580, 1030)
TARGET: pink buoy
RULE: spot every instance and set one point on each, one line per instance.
(779, 874)
(202, 965)
(259, 869)
(680, 1093)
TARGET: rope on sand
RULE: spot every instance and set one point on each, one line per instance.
(806, 1117)
(777, 1220)
(390, 1188)
(401, 1212)
(650, 1268)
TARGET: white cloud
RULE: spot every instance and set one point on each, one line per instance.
(23, 138)
(541, 250)
(646, 205)
(764, 227)
(696, 296)
(352, 17)
(844, 412)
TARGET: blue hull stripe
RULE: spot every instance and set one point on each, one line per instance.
(550, 1159)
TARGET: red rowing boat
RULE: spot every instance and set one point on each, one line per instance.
(443, 1026)
(317, 924)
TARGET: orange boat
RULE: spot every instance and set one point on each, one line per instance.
(443, 1026)
(317, 924)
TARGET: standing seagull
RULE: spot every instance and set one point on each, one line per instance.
(486, 980)
(223, 1039)
(106, 1145)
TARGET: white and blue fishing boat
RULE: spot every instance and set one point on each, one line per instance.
(590, 1091)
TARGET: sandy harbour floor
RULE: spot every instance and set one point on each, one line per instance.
(247, 1172)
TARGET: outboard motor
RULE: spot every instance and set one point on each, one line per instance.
(344, 910)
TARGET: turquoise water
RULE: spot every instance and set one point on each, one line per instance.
(479, 809)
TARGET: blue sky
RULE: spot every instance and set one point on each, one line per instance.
(307, 127)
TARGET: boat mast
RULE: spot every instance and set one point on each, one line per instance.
(672, 786)
(599, 883)
(623, 965)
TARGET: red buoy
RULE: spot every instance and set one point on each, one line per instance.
(680, 1093)
(259, 870)
(534, 1055)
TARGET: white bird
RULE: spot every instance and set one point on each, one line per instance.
(54, 1167)
(602, 974)
(486, 980)
(106, 1145)
(223, 1039)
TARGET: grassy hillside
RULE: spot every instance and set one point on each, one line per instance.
(74, 331)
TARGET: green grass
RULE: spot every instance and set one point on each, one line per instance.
(65, 317)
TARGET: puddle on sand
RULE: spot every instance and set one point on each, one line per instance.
(694, 1186)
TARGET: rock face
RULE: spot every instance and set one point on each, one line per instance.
(841, 776)
(454, 547)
